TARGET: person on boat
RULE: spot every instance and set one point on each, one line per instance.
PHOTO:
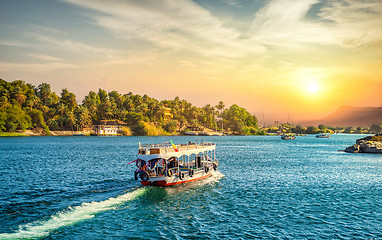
(160, 166)
(171, 162)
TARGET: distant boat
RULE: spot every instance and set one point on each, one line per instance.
(191, 133)
(322, 135)
(204, 134)
(288, 137)
(217, 134)
(78, 134)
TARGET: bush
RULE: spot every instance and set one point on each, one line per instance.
(312, 130)
(376, 138)
(171, 126)
(38, 120)
(139, 129)
(126, 131)
(261, 132)
(13, 118)
(152, 130)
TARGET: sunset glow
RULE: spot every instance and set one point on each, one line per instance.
(312, 87)
(258, 54)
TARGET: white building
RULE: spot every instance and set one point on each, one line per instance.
(109, 128)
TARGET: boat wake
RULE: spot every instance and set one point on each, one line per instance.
(71, 216)
(216, 176)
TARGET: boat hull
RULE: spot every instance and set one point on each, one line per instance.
(174, 180)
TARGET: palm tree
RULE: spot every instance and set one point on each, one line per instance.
(220, 107)
(4, 102)
(71, 119)
(83, 117)
(61, 109)
(33, 102)
(19, 95)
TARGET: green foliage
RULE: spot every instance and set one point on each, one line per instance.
(68, 99)
(152, 130)
(376, 138)
(127, 131)
(375, 128)
(239, 120)
(312, 130)
(170, 126)
(261, 132)
(348, 130)
(139, 129)
(13, 118)
(11, 134)
(38, 120)
(26, 106)
(298, 129)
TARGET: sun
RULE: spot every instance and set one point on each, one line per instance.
(312, 87)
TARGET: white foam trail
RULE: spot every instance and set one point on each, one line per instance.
(217, 175)
(70, 217)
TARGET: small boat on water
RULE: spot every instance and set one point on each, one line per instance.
(190, 133)
(168, 164)
(322, 135)
(205, 134)
(288, 137)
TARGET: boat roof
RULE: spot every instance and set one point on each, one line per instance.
(166, 150)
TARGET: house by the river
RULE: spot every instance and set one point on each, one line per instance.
(109, 128)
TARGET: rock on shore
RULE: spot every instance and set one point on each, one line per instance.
(367, 145)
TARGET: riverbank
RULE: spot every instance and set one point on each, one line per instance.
(29, 133)
(11, 134)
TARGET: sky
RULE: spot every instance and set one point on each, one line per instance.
(289, 59)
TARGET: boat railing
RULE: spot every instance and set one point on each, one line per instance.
(167, 147)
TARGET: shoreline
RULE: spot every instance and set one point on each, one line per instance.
(31, 133)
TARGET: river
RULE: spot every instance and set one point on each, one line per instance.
(267, 188)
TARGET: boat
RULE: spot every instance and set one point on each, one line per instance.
(190, 133)
(322, 135)
(167, 164)
(217, 134)
(288, 137)
(204, 134)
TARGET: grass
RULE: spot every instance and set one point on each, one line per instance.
(11, 134)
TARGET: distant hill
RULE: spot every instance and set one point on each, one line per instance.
(351, 116)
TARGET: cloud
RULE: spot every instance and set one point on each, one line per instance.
(12, 43)
(355, 22)
(345, 23)
(44, 57)
(284, 23)
(67, 44)
(176, 25)
(33, 67)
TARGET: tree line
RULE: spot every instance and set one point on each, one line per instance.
(24, 106)
(321, 128)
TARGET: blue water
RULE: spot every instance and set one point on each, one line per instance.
(267, 188)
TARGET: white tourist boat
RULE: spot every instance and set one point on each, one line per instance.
(167, 164)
